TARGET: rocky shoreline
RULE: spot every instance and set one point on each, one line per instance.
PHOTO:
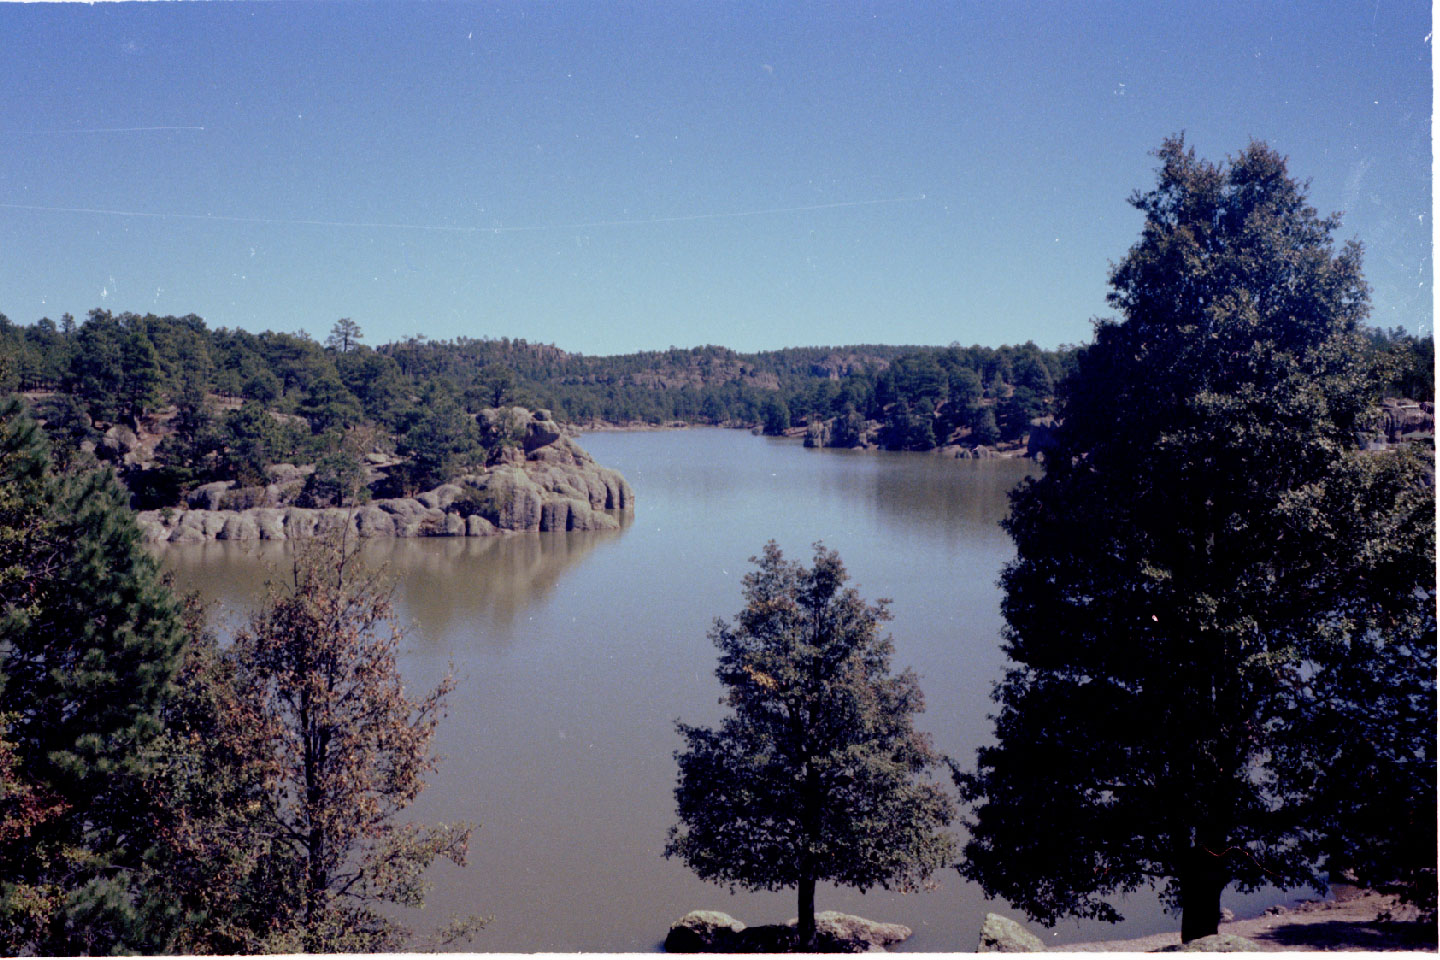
(547, 484)
(1352, 921)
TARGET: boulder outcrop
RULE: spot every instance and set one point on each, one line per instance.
(1002, 935)
(710, 931)
(549, 483)
(1216, 943)
(1400, 418)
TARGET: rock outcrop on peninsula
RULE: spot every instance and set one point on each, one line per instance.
(548, 483)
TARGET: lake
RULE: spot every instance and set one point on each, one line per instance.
(577, 652)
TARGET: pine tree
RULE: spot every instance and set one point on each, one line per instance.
(89, 643)
(817, 773)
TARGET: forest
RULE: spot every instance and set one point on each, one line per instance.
(222, 404)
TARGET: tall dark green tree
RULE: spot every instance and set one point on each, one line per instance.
(328, 405)
(817, 773)
(97, 373)
(344, 336)
(1210, 576)
(89, 642)
(775, 416)
(141, 378)
(441, 440)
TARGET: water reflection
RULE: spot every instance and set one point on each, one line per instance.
(484, 582)
(929, 495)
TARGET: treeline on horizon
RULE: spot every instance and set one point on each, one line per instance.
(230, 403)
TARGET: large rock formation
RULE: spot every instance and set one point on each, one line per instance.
(552, 485)
(704, 931)
(1400, 418)
(1002, 935)
(710, 931)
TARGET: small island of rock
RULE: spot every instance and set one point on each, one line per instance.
(544, 482)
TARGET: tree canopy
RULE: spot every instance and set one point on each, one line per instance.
(817, 773)
(1217, 596)
(90, 640)
(350, 749)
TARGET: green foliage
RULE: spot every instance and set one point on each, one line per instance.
(329, 406)
(1408, 363)
(220, 878)
(89, 642)
(775, 416)
(441, 441)
(1016, 411)
(262, 388)
(1211, 582)
(67, 424)
(847, 429)
(817, 772)
(96, 374)
(984, 430)
(494, 386)
(338, 480)
(252, 441)
(344, 336)
(140, 377)
(905, 428)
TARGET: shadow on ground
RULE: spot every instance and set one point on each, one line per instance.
(1354, 935)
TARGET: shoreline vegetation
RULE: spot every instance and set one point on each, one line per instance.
(293, 424)
(546, 484)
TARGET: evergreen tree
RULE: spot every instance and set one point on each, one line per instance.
(1209, 576)
(141, 376)
(97, 373)
(817, 773)
(441, 441)
(344, 336)
(252, 441)
(984, 430)
(775, 415)
(89, 642)
(329, 406)
(338, 479)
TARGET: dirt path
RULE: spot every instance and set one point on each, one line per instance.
(1363, 921)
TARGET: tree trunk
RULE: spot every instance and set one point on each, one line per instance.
(1200, 888)
(805, 933)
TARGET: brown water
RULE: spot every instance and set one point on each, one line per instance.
(576, 652)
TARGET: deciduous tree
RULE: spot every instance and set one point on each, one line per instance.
(352, 747)
(817, 772)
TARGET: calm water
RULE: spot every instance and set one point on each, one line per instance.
(576, 652)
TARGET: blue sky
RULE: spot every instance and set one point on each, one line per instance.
(620, 176)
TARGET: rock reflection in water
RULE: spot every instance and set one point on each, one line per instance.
(489, 581)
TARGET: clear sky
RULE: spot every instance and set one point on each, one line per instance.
(616, 176)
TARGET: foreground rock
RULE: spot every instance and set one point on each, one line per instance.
(553, 485)
(1002, 935)
(1366, 921)
(710, 931)
(1216, 943)
(705, 931)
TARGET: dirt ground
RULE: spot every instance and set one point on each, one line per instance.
(1354, 921)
